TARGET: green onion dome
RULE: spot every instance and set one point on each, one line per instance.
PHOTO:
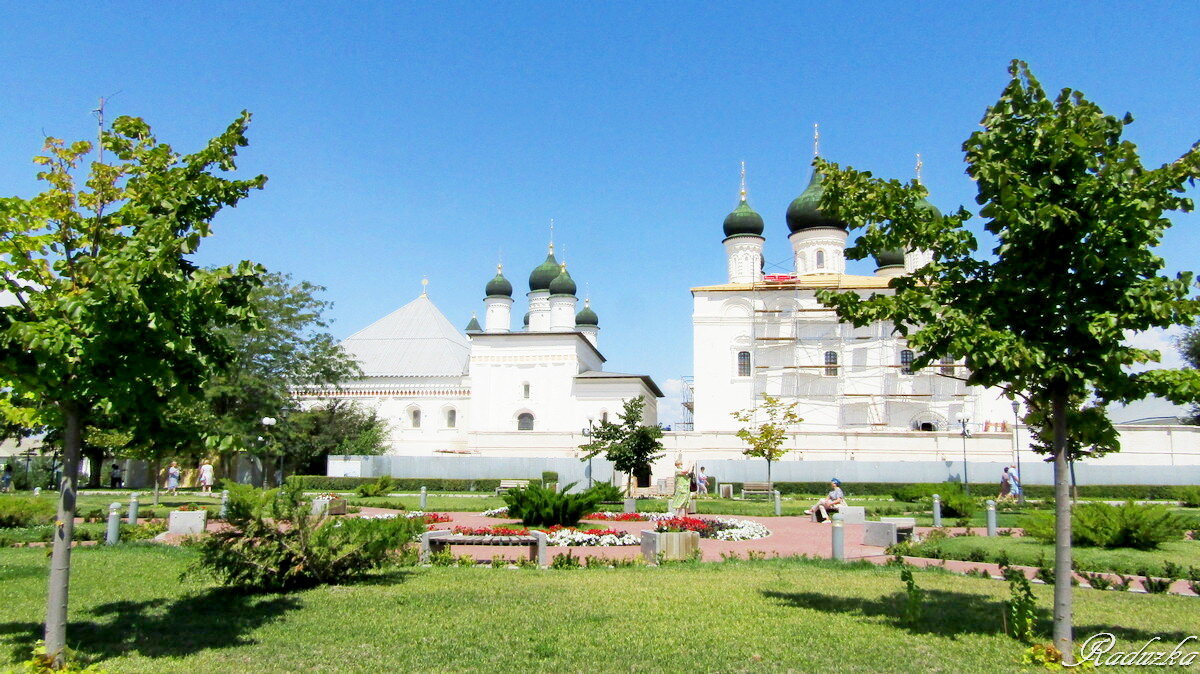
(587, 316)
(473, 326)
(743, 221)
(890, 258)
(544, 273)
(499, 286)
(563, 284)
(803, 213)
(526, 321)
(924, 205)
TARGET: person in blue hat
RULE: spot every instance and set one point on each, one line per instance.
(834, 500)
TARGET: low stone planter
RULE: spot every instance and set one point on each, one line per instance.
(187, 522)
(333, 506)
(669, 546)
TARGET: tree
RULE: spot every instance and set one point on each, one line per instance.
(291, 350)
(630, 445)
(765, 439)
(110, 316)
(1189, 347)
(337, 427)
(1075, 216)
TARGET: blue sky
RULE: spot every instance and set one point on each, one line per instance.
(411, 140)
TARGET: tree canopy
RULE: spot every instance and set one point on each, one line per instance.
(630, 445)
(767, 429)
(1045, 313)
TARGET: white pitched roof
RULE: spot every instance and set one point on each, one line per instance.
(415, 340)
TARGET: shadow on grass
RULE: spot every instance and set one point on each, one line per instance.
(219, 618)
(946, 614)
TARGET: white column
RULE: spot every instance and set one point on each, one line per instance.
(498, 316)
(744, 257)
(562, 313)
(539, 311)
(820, 250)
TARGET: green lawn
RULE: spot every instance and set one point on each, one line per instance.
(132, 611)
(1027, 551)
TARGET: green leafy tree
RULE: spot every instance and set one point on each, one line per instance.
(110, 317)
(336, 427)
(1075, 218)
(767, 431)
(628, 444)
(1189, 347)
(292, 350)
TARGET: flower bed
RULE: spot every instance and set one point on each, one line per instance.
(718, 529)
(502, 511)
(617, 517)
(560, 536)
(430, 518)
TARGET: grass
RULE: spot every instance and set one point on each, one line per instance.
(1026, 551)
(738, 616)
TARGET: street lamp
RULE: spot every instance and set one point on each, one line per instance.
(1016, 405)
(963, 419)
(587, 434)
(268, 422)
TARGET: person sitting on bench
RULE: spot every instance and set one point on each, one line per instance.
(832, 501)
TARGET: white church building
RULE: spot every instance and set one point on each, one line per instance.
(525, 395)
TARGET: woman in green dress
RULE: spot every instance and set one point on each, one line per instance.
(683, 490)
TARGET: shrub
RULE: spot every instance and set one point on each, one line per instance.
(977, 555)
(1098, 581)
(1143, 527)
(1021, 607)
(913, 596)
(958, 504)
(548, 477)
(1154, 585)
(257, 553)
(1189, 496)
(925, 491)
(565, 561)
(380, 487)
(26, 511)
(1122, 584)
(1172, 570)
(537, 506)
(606, 492)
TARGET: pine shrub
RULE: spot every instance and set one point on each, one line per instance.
(537, 506)
(26, 511)
(1129, 525)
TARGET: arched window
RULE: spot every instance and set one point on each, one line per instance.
(947, 365)
(451, 418)
(525, 390)
(906, 359)
(820, 259)
(743, 360)
(525, 422)
(416, 418)
(831, 369)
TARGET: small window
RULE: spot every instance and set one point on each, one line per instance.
(451, 418)
(525, 390)
(743, 361)
(906, 359)
(947, 365)
(831, 369)
(416, 418)
(820, 259)
(525, 422)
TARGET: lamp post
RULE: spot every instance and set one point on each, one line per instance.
(963, 419)
(587, 434)
(267, 423)
(1016, 405)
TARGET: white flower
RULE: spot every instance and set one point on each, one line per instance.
(495, 512)
(574, 537)
(741, 530)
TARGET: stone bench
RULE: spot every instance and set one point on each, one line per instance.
(850, 514)
(764, 488)
(435, 541)
(505, 485)
(889, 531)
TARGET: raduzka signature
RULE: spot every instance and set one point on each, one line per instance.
(1098, 650)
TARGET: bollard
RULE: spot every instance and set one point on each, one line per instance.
(224, 503)
(839, 538)
(778, 504)
(37, 491)
(630, 505)
(937, 510)
(991, 517)
(114, 524)
(423, 501)
(133, 509)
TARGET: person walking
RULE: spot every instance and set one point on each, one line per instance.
(1014, 480)
(173, 478)
(206, 477)
(701, 482)
(1005, 485)
(6, 478)
(116, 477)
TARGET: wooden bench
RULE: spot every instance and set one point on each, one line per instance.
(764, 488)
(433, 542)
(505, 485)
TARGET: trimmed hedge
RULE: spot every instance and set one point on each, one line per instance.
(402, 484)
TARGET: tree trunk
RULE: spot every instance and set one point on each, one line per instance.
(1063, 639)
(154, 476)
(768, 471)
(60, 557)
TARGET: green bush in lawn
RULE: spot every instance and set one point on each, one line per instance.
(606, 492)
(1129, 525)
(1190, 496)
(925, 491)
(958, 505)
(258, 552)
(26, 511)
(549, 477)
(540, 507)
(380, 487)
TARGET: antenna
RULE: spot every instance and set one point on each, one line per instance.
(816, 139)
(424, 287)
(551, 236)
(918, 167)
(743, 192)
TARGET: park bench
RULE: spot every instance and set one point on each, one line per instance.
(764, 488)
(850, 514)
(433, 542)
(505, 485)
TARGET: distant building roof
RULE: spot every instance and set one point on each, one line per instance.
(415, 340)
(804, 281)
(597, 374)
(1153, 421)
